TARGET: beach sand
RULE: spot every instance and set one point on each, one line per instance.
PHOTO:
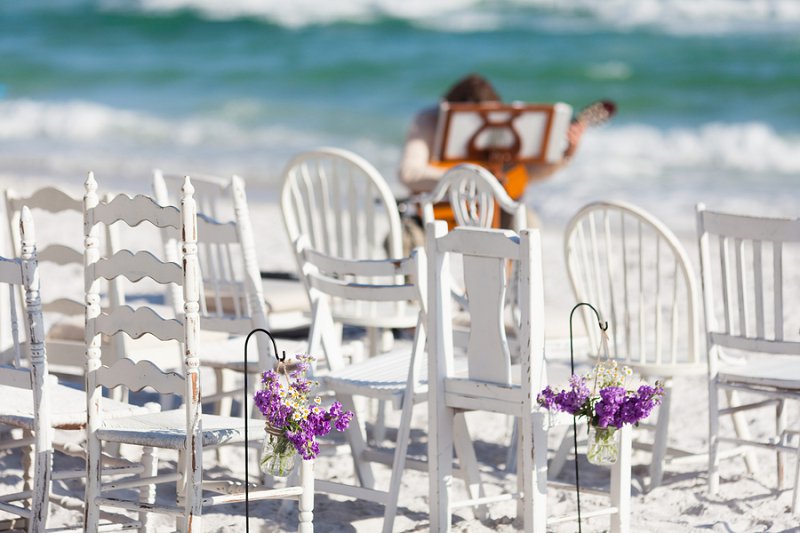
(682, 503)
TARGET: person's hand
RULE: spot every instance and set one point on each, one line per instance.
(574, 134)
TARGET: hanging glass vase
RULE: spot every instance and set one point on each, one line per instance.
(603, 447)
(278, 456)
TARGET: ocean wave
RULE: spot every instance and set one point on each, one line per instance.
(674, 16)
(624, 153)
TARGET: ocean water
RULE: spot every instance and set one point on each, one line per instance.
(708, 92)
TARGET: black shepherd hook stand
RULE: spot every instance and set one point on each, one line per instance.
(281, 358)
(603, 327)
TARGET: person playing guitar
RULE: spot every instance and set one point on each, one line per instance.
(420, 175)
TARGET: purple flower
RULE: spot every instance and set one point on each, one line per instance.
(572, 401)
(612, 406)
(286, 407)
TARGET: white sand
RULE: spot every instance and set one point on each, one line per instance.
(746, 503)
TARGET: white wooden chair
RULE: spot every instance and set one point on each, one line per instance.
(749, 268)
(29, 381)
(634, 270)
(231, 297)
(345, 209)
(58, 259)
(370, 288)
(184, 430)
(474, 195)
(225, 200)
(489, 383)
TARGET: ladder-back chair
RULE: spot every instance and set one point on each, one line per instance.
(185, 430)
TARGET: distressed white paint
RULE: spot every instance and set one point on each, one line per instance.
(182, 429)
(33, 381)
(489, 385)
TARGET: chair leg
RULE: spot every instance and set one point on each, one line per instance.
(562, 453)
(28, 457)
(398, 463)
(42, 469)
(660, 438)
(469, 463)
(355, 437)
(91, 515)
(621, 485)
(147, 493)
(306, 506)
(440, 466)
(796, 490)
(780, 426)
(222, 383)
(743, 432)
(536, 505)
(713, 438)
(511, 454)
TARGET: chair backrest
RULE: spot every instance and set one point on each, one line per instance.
(365, 288)
(484, 254)
(58, 259)
(749, 268)
(342, 204)
(473, 193)
(136, 266)
(231, 293)
(634, 270)
(29, 373)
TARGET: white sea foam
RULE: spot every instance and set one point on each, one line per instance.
(679, 165)
(679, 16)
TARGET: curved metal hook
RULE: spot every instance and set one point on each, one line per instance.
(281, 358)
(603, 327)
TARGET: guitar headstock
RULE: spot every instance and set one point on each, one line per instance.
(597, 113)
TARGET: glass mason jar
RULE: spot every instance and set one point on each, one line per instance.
(278, 456)
(603, 447)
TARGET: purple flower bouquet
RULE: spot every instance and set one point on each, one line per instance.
(608, 406)
(294, 418)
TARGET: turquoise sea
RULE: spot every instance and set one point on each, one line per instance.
(708, 92)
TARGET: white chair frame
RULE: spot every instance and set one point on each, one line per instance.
(16, 378)
(373, 287)
(473, 193)
(745, 260)
(488, 384)
(186, 429)
(66, 355)
(635, 271)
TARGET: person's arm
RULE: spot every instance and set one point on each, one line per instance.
(415, 171)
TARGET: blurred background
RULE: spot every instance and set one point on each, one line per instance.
(707, 92)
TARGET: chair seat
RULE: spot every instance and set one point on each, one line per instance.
(776, 371)
(67, 409)
(285, 295)
(383, 377)
(229, 353)
(382, 314)
(167, 429)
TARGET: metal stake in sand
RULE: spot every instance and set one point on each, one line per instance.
(603, 327)
(245, 414)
